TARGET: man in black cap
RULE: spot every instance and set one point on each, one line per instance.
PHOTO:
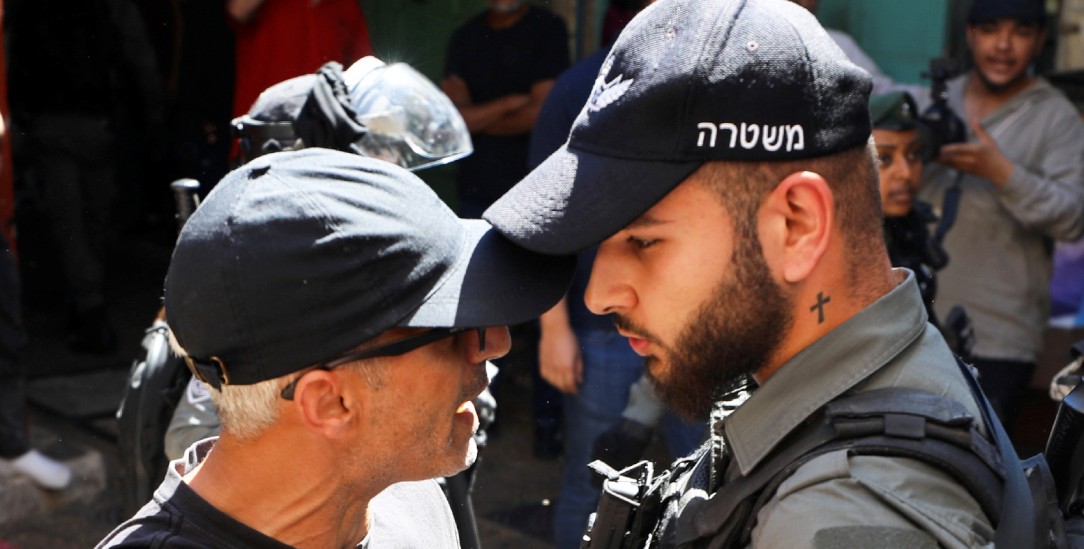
(724, 163)
(1015, 185)
(342, 316)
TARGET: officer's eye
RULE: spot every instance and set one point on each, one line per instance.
(641, 243)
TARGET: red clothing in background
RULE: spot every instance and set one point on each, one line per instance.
(288, 38)
(7, 186)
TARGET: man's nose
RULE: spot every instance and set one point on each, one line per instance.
(1004, 39)
(497, 341)
(902, 169)
(607, 292)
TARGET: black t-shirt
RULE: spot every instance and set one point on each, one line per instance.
(495, 63)
(405, 515)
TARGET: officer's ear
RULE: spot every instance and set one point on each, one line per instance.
(795, 225)
(324, 403)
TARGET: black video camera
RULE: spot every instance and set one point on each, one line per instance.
(939, 124)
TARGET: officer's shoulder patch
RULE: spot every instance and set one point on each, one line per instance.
(848, 537)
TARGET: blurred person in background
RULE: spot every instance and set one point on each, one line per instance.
(15, 449)
(1014, 186)
(84, 86)
(581, 353)
(499, 67)
(282, 39)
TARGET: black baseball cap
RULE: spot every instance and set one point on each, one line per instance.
(688, 82)
(1032, 12)
(300, 256)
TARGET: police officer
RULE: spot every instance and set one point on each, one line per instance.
(724, 164)
(899, 161)
(902, 141)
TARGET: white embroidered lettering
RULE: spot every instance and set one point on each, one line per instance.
(733, 132)
(746, 129)
(792, 132)
(773, 137)
(706, 126)
(751, 136)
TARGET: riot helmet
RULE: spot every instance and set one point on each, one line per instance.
(391, 112)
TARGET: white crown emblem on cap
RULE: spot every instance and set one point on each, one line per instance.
(605, 93)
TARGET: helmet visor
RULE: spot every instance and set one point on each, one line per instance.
(410, 122)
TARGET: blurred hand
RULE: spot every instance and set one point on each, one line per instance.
(982, 158)
(515, 101)
(559, 359)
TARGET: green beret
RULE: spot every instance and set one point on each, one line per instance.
(893, 111)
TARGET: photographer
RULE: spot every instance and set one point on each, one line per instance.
(1016, 184)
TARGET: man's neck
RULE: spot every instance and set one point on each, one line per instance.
(295, 499)
(501, 20)
(981, 99)
(829, 299)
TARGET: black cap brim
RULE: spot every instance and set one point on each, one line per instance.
(576, 199)
(1030, 12)
(494, 283)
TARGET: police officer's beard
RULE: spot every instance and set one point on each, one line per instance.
(735, 332)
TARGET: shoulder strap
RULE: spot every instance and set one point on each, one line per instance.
(949, 207)
(1016, 525)
(155, 385)
(892, 422)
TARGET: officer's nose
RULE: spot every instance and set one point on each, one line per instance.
(607, 291)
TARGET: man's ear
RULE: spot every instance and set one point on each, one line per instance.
(795, 225)
(324, 403)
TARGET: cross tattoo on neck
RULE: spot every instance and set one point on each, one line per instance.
(819, 306)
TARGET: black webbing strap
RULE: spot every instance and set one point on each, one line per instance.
(1016, 525)
(950, 205)
(895, 422)
(715, 511)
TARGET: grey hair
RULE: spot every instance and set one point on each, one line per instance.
(246, 411)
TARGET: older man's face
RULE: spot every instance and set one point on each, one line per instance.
(421, 413)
